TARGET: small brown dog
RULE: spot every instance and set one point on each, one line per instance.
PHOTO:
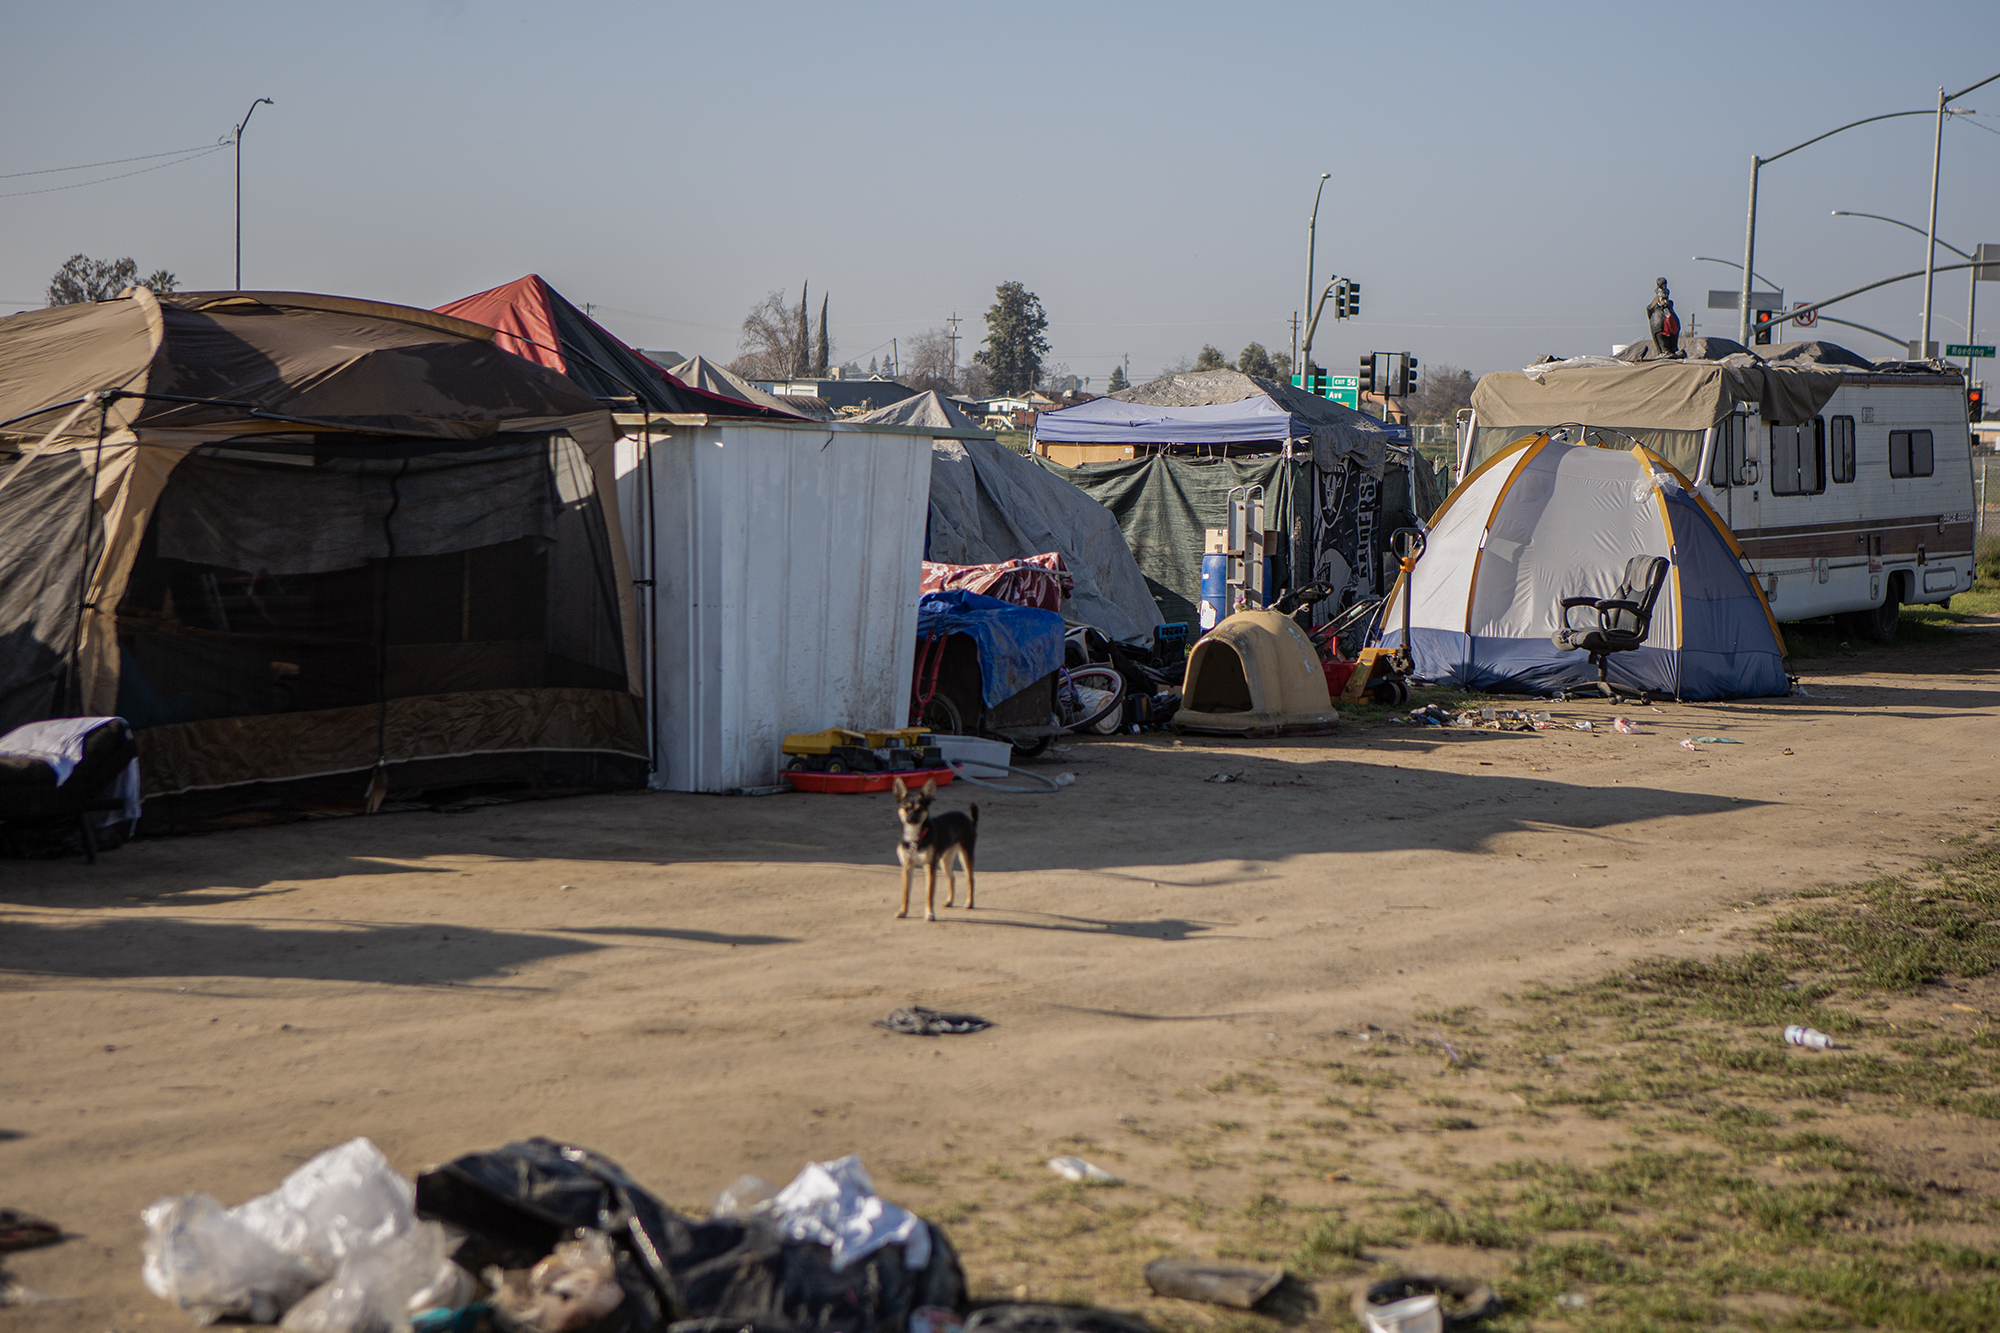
(930, 839)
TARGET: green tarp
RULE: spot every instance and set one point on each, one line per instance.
(1164, 506)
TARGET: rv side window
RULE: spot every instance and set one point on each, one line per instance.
(1841, 443)
(1722, 464)
(1910, 453)
(1798, 459)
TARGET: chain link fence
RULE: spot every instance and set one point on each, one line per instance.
(1985, 501)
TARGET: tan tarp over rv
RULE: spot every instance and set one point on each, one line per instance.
(1664, 405)
(330, 538)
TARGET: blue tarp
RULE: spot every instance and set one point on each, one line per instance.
(1018, 645)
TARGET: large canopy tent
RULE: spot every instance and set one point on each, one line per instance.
(1546, 519)
(533, 320)
(335, 545)
(1666, 405)
(989, 504)
(1201, 435)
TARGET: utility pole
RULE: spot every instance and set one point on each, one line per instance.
(952, 323)
(1930, 248)
(895, 359)
(1295, 344)
(262, 101)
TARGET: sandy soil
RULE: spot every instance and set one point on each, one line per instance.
(688, 983)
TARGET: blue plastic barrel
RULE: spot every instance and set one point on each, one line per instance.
(1214, 591)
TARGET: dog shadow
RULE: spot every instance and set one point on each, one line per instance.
(1162, 928)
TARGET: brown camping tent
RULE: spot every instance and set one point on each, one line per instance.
(338, 545)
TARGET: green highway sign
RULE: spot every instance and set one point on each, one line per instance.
(1970, 350)
(1342, 389)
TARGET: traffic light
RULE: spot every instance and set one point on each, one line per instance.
(1409, 375)
(1975, 403)
(1340, 299)
(1353, 300)
(1763, 328)
(1367, 375)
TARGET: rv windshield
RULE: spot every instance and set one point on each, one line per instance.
(1682, 448)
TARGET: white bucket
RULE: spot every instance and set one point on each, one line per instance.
(982, 758)
(1417, 1314)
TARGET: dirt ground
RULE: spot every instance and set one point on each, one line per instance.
(689, 984)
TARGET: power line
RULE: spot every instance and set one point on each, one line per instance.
(114, 162)
(17, 194)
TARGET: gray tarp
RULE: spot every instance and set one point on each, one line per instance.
(1221, 407)
(1670, 395)
(701, 373)
(923, 409)
(988, 503)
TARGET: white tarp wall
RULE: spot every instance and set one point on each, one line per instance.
(786, 564)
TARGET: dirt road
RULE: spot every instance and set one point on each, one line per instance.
(688, 984)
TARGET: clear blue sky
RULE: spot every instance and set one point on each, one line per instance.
(1508, 179)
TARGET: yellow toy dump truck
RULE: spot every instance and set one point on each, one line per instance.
(839, 750)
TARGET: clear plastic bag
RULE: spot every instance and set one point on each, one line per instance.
(376, 1290)
(743, 1196)
(257, 1260)
(211, 1265)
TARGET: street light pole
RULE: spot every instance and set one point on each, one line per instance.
(1971, 286)
(1930, 251)
(1750, 222)
(1312, 238)
(262, 101)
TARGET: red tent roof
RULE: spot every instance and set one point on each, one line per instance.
(534, 321)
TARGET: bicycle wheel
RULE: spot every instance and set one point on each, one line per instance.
(1102, 678)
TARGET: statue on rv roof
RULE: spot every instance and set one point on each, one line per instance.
(1660, 317)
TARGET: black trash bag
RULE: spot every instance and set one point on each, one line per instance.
(763, 1279)
(517, 1202)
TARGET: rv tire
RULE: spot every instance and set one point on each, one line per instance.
(1879, 625)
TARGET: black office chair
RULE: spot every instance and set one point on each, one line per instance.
(1623, 621)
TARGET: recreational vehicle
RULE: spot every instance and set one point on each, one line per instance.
(1847, 485)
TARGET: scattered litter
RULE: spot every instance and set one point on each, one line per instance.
(1786, 750)
(1687, 745)
(567, 887)
(1419, 1304)
(1448, 1048)
(1582, 725)
(1966, 1008)
(1224, 777)
(743, 1196)
(777, 789)
(1570, 1300)
(1082, 1172)
(377, 1288)
(935, 1319)
(917, 1021)
(1810, 1038)
(1625, 726)
(25, 1231)
(1065, 779)
(1018, 1317)
(834, 1204)
(1238, 1285)
(1714, 740)
(571, 1289)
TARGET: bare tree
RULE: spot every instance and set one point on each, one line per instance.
(1441, 391)
(771, 345)
(927, 365)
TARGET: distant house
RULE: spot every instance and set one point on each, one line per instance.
(841, 393)
(1018, 411)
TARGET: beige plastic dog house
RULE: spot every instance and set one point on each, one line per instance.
(1255, 674)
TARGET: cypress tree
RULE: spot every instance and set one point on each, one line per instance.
(825, 350)
(802, 340)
